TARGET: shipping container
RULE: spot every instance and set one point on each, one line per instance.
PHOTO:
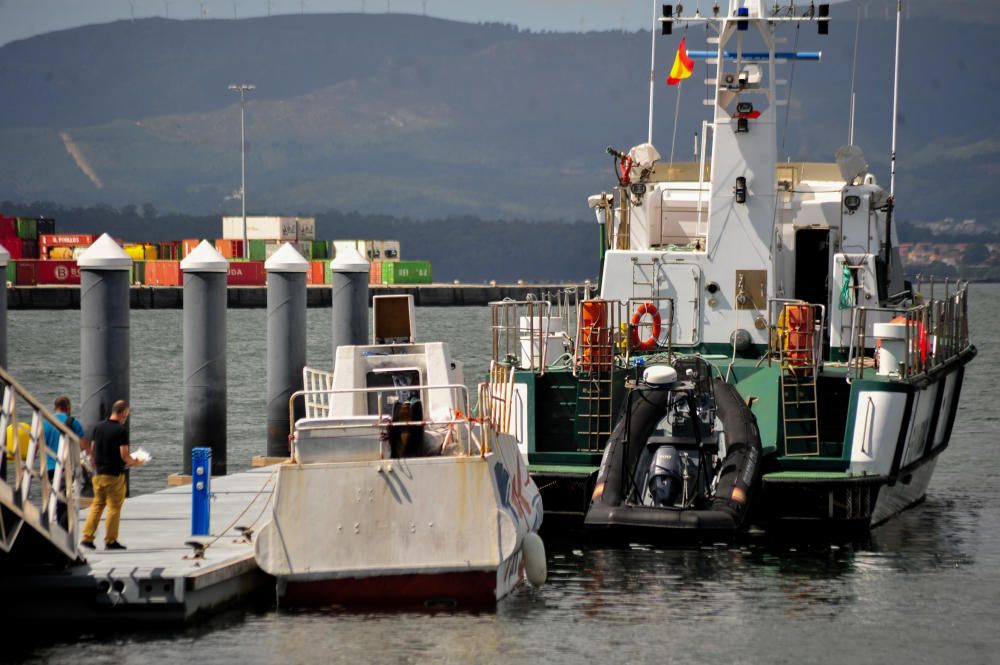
(138, 272)
(306, 228)
(230, 249)
(8, 227)
(21, 249)
(188, 245)
(406, 272)
(163, 273)
(319, 249)
(47, 241)
(24, 273)
(260, 228)
(135, 252)
(317, 272)
(375, 273)
(367, 248)
(27, 228)
(46, 226)
(246, 273)
(57, 272)
(390, 250)
(327, 273)
(258, 249)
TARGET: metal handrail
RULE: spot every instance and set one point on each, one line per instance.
(68, 467)
(506, 332)
(381, 418)
(936, 331)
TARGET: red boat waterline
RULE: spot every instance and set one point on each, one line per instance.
(467, 588)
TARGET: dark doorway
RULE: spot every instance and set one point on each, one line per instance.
(812, 265)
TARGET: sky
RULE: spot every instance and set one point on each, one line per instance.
(25, 18)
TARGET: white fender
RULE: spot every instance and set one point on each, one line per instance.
(534, 559)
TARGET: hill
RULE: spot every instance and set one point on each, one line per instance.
(425, 118)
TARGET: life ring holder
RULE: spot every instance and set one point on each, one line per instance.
(919, 339)
(650, 342)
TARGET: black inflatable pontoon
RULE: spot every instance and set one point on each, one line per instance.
(683, 461)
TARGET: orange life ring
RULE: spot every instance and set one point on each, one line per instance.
(650, 342)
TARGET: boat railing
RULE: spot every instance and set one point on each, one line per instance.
(317, 385)
(458, 423)
(789, 341)
(30, 484)
(499, 403)
(936, 330)
(520, 332)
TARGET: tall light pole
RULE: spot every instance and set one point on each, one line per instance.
(243, 88)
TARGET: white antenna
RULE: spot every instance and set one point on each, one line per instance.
(166, 9)
(895, 103)
(132, 9)
(235, 13)
(854, 68)
(652, 72)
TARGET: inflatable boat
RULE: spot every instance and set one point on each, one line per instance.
(683, 461)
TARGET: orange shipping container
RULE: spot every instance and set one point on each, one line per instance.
(316, 272)
(375, 273)
(163, 273)
(188, 245)
(230, 249)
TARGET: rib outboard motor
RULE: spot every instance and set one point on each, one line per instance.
(683, 459)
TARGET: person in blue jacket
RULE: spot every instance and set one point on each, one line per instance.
(63, 415)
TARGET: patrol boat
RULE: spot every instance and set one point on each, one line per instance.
(783, 278)
(395, 494)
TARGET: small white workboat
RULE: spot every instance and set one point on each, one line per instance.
(395, 494)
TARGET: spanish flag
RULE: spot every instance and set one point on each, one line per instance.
(683, 65)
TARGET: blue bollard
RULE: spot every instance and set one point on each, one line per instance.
(201, 489)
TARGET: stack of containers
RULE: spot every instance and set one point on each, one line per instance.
(64, 246)
(20, 236)
(265, 235)
(385, 264)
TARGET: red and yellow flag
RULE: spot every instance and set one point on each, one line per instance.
(683, 65)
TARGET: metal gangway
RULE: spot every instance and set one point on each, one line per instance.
(30, 532)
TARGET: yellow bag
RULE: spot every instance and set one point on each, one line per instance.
(23, 439)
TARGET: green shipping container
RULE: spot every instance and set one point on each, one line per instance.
(27, 228)
(406, 272)
(258, 250)
(327, 273)
(320, 250)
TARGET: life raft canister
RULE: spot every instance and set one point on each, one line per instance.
(596, 343)
(649, 343)
(798, 324)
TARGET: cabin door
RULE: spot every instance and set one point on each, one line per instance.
(812, 265)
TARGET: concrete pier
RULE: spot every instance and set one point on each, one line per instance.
(255, 297)
(159, 578)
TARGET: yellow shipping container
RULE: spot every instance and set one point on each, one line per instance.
(152, 252)
(137, 252)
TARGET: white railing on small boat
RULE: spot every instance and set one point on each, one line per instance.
(936, 331)
(460, 421)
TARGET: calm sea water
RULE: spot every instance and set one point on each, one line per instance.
(924, 589)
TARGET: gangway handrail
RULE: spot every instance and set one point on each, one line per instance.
(68, 470)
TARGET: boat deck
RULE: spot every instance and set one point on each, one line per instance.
(159, 577)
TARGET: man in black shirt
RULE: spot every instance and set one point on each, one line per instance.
(111, 455)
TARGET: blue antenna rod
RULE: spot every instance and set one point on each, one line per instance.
(779, 55)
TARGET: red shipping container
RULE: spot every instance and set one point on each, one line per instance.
(375, 273)
(8, 227)
(26, 273)
(163, 273)
(58, 272)
(21, 249)
(246, 273)
(47, 240)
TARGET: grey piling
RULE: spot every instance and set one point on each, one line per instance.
(286, 342)
(4, 260)
(205, 276)
(104, 329)
(349, 273)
